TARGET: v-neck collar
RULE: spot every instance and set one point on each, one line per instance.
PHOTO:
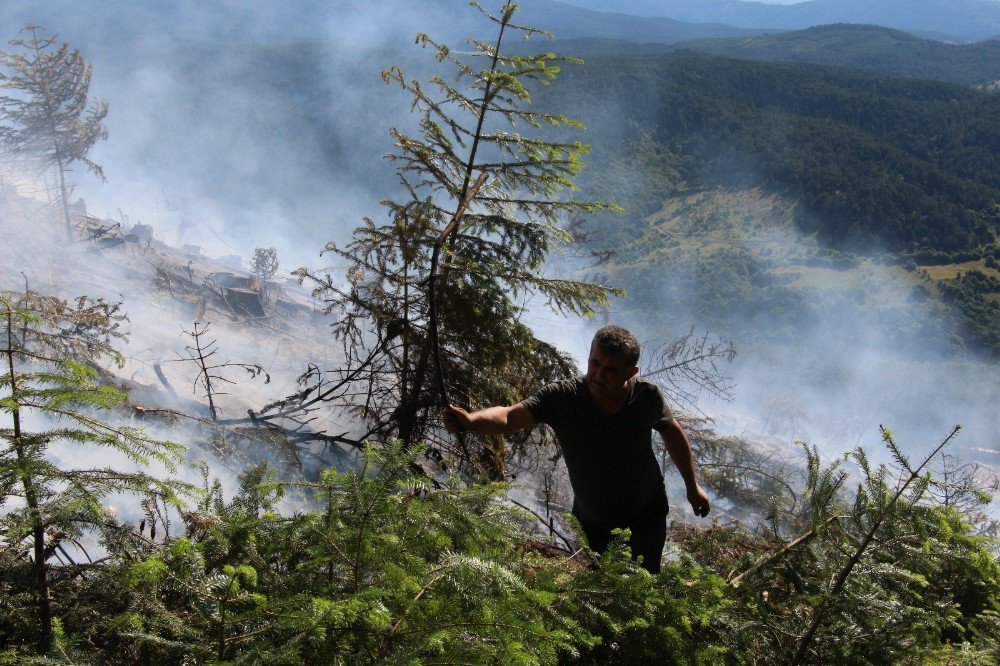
(627, 399)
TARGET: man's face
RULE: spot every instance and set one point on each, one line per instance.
(607, 374)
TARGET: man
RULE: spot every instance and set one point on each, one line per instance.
(604, 422)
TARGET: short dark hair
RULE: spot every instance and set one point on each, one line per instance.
(618, 341)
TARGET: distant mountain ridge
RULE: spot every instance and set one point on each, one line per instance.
(865, 47)
(966, 19)
(571, 22)
(352, 24)
(868, 47)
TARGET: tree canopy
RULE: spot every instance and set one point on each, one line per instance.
(438, 291)
(48, 117)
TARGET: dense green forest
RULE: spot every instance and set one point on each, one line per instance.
(863, 47)
(875, 161)
(868, 47)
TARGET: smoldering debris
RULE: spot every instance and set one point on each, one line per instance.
(274, 325)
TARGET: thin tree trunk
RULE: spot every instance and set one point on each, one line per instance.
(39, 574)
(205, 371)
(64, 197)
(447, 237)
(405, 425)
(57, 152)
(408, 412)
(222, 625)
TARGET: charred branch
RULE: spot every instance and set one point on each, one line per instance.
(200, 352)
(689, 366)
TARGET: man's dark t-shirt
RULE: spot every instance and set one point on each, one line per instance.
(610, 458)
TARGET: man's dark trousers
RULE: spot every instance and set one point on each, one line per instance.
(649, 533)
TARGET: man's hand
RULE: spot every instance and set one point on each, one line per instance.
(456, 419)
(699, 501)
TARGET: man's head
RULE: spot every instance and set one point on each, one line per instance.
(614, 354)
(618, 341)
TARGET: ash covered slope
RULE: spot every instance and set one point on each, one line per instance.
(167, 292)
(257, 115)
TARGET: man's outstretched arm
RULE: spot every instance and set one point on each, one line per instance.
(680, 452)
(489, 421)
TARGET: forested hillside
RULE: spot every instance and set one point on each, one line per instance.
(900, 164)
(868, 47)
(906, 169)
(864, 47)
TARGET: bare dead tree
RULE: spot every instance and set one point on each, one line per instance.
(171, 275)
(296, 417)
(761, 482)
(91, 229)
(200, 352)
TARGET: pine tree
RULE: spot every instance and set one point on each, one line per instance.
(49, 119)
(876, 505)
(49, 349)
(264, 263)
(439, 290)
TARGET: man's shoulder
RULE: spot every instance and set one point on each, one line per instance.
(570, 385)
(569, 388)
(648, 397)
(553, 398)
(646, 386)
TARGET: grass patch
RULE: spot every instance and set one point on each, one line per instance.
(951, 271)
